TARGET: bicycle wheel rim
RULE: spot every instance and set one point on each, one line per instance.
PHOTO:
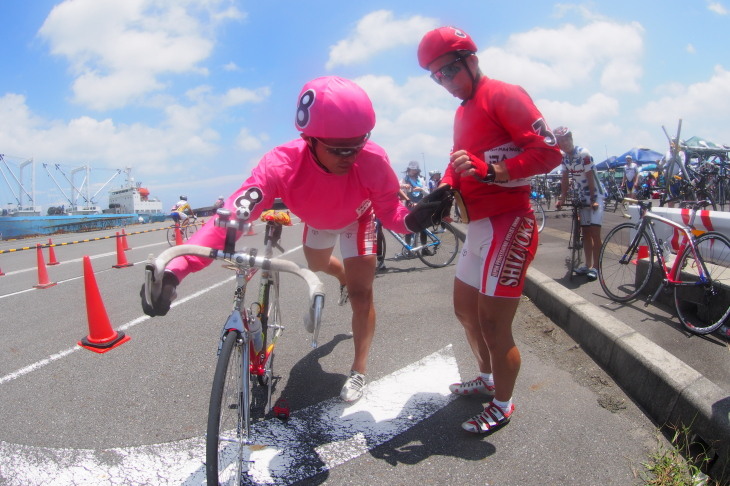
(704, 308)
(171, 236)
(441, 248)
(539, 215)
(623, 277)
(227, 431)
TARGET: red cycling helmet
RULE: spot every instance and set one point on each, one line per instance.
(334, 107)
(441, 41)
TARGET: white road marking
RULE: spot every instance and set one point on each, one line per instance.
(312, 441)
(62, 354)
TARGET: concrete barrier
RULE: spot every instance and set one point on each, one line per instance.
(704, 221)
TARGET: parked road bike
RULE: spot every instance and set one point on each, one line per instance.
(539, 212)
(247, 342)
(187, 228)
(575, 242)
(699, 273)
(614, 193)
(685, 184)
(436, 246)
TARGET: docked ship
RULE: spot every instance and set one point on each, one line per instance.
(131, 203)
(135, 199)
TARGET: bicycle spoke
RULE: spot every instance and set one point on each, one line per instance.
(441, 245)
(704, 306)
(622, 276)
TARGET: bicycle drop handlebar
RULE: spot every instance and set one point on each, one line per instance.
(244, 258)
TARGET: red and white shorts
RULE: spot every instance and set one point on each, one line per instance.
(497, 252)
(356, 239)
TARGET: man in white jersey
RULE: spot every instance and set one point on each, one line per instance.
(578, 164)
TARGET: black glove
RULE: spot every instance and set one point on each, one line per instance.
(161, 302)
(430, 210)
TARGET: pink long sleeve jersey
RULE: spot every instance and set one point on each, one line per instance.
(321, 199)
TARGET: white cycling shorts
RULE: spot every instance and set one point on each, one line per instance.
(356, 239)
(497, 252)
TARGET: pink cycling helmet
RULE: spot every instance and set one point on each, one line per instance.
(334, 107)
(441, 41)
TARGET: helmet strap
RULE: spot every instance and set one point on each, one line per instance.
(310, 142)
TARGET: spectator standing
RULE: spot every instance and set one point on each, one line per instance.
(578, 165)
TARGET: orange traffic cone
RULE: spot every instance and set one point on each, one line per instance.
(642, 253)
(43, 281)
(51, 253)
(251, 232)
(121, 257)
(125, 246)
(101, 336)
(178, 236)
(1, 272)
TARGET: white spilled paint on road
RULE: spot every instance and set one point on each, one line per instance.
(312, 441)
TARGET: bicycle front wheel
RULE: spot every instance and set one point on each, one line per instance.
(704, 305)
(441, 248)
(576, 247)
(228, 414)
(171, 236)
(623, 270)
(539, 214)
(190, 230)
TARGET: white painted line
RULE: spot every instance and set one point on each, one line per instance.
(40, 364)
(313, 440)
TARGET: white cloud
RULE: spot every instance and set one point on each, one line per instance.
(543, 59)
(377, 32)
(717, 7)
(703, 104)
(248, 142)
(118, 50)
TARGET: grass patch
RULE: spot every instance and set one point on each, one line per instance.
(685, 462)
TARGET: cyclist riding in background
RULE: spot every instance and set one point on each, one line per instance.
(180, 210)
(500, 140)
(578, 165)
(337, 181)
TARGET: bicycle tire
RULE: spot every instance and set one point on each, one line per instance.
(703, 308)
(618, 268)
(190, 230)
(443, 245)
(539, 214)
(228, 414)
(271, 325)
(171, 236)
(576, 247)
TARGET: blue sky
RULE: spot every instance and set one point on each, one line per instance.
(191, 93)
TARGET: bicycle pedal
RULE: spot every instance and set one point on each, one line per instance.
(281, 410)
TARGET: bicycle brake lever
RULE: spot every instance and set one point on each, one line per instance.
(149, 280)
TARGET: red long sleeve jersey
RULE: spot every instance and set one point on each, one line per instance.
(501, 122)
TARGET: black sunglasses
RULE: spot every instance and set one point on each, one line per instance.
(344, 151)
(449, 71)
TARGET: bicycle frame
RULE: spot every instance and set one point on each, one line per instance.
(414, 249)
(672, 275)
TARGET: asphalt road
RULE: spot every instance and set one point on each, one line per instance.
(710, 355)
(62, 404)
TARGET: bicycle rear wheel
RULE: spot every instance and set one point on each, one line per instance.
(441, 248)
(621, 274)
(704, 307)
(539, 214)
(228, 414)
